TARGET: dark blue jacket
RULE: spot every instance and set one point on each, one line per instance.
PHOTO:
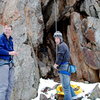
(6, 45)
(63, 53)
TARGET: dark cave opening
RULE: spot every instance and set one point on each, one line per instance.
(61, 26)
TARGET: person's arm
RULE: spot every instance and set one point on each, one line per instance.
(5, 52)
(60, 55)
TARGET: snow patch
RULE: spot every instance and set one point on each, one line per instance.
(87, 88)
(43, 84)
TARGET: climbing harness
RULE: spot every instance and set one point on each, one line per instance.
(71, 69)
(64, 72)
(4, 62)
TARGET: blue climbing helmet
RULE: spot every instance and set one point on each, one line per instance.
(59, 35)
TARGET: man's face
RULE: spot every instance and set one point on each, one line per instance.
(57, 40)
(7, 31)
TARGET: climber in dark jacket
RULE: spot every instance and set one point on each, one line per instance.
(63, 54)
(6, 63)
(62, 63)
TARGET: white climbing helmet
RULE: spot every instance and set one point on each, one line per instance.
(57, 34)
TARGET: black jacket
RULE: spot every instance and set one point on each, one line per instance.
(62, 53)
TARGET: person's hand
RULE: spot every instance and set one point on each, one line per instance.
(13, 53)
(55, 66)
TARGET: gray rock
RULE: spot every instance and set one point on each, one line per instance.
(94, 24)
(2, 5)
(43, 97)
(91, 7)
(43, 69)
(44, 3)
(25, 17)
(95, 93)
(27, 33)
(87, 41)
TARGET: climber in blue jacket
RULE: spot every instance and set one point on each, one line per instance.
(62, 63)
(6, 63)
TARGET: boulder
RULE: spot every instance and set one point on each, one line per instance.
(26, 18)
(91, 7)
(95, 93)
(84, 53)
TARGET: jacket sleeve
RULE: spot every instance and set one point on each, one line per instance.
(2, 50)
(60, 55)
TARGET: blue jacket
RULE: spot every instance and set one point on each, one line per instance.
(63, 53)
(5, 47)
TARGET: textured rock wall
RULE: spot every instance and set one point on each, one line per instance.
(26, 19)
(84, 48)
(84, 40)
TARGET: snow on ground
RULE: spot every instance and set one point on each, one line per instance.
(87, 88)
(43, 84)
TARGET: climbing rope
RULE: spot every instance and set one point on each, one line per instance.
(56, 7)
(55, 4)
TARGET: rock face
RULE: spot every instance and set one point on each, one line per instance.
(26, 19)
(33, 28)
(91, 7)
(84, 48)
(95, 93)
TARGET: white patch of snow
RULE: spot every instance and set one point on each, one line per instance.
(87, 88)
(98, 99)
(43, 84)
